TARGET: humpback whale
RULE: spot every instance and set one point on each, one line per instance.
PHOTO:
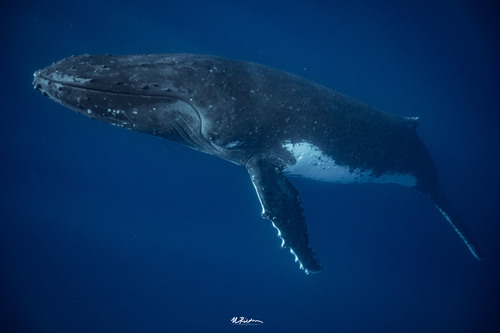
(273, 123)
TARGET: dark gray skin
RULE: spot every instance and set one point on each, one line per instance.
(247, 113)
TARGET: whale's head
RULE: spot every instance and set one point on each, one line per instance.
(149, 94)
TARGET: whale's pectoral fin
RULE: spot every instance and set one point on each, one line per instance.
(456, 222)
(281, 205)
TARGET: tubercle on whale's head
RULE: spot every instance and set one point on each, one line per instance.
(149, 75)
(108, 75)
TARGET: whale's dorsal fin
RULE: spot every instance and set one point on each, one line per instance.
(412, 122)
(281, 205)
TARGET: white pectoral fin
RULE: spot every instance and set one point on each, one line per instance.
(452, 217)
(281, 205)
(459, 228)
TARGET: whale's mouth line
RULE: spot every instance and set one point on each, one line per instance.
(41, 82)
(38, 76)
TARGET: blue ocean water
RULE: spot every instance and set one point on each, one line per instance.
(107, 230)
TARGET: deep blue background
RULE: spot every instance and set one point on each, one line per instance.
(107, 230)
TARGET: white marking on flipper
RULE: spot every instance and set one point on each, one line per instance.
(279, 233)
(269, 216)
(447, 218)
(260, 200)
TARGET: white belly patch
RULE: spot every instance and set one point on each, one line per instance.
(312, 163)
